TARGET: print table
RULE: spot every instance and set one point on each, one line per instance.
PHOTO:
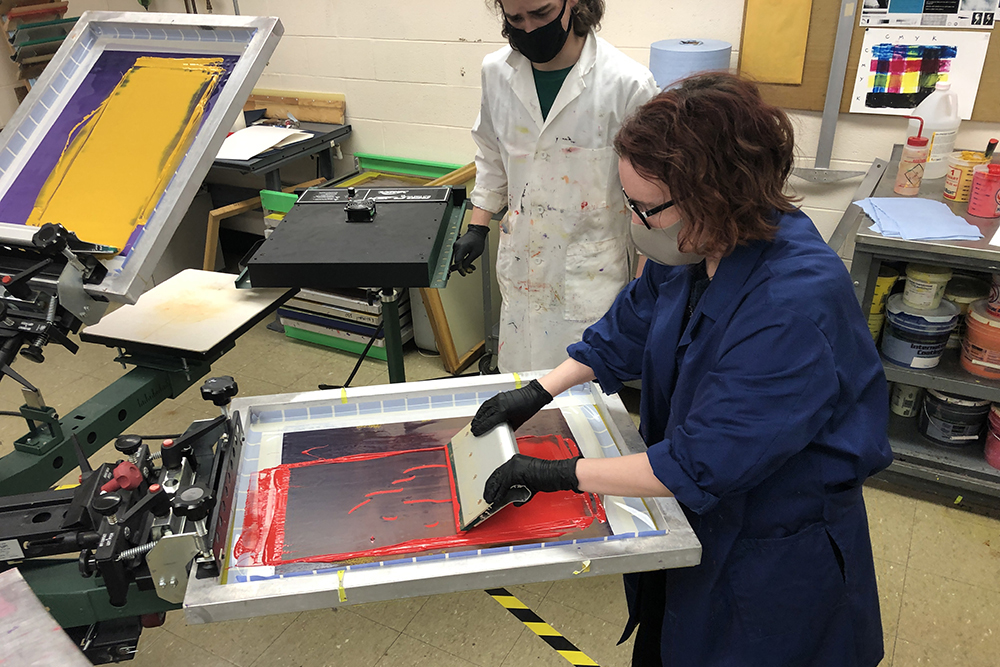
(270, 162)
(288, 430)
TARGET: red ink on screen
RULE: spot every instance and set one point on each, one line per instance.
(436, 465)
(379, 493)
(308, 452)
(405, 479)
(361, 504)
(265, 540)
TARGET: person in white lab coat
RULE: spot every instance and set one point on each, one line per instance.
(552, 103)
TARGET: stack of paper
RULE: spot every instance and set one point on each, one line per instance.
(917, 219)
(254, 140)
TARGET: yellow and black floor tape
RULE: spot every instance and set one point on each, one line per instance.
(546, 632)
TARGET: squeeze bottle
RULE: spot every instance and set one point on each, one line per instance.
(940, 113)
(912, 165)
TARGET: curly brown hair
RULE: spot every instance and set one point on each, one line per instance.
(586, 15)
(723, 152)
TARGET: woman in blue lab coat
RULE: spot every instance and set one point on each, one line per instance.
(764, 404)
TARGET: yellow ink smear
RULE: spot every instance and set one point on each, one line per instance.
(118, 160)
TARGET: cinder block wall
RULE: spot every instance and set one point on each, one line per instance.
(411, 71)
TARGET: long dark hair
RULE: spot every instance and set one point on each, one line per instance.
(723, 152)
(586, 15)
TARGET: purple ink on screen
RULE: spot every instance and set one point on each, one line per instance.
(106, 73)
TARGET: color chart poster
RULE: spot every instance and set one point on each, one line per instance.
(899, 68)
(930, 13)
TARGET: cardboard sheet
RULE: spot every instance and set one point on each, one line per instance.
(194, 311)
(775, 32)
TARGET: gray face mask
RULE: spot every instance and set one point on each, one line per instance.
(660, 245)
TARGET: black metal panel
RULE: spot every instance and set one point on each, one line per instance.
(316, 247)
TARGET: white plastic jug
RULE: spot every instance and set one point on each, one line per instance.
(940, 113)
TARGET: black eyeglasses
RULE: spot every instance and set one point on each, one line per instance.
(643, 215)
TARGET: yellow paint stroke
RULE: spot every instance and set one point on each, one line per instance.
(118, 160)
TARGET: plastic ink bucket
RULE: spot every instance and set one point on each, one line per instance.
(993, 306)
(958, 179)
(925, 285)
(905, 400)
(984, 200)
(981, 345)
(875, 323)
(887, 277)
(993, 438)
(963, 291)
(953, 421)
(916, 338)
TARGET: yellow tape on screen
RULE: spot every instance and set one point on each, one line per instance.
(119, 159)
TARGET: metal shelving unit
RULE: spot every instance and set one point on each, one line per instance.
(917, 459)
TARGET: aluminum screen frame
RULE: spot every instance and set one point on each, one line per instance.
(673, 544)
(252, 39)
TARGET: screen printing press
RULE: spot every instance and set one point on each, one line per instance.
(313, 500)
(279, 503)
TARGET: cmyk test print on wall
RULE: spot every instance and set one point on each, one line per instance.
(899, 68)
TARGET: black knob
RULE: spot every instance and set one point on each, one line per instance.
(350, 192)
(159, 503)
(128, 444)
(106, 504)
(33, 352)
(193, 503)
(219, 390)
(171, 454)
(50, 238)
(87, 563)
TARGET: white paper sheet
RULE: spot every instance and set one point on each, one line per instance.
(254, 140)
(996, 239)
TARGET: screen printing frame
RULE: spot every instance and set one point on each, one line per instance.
(673, 545)
(253, 39)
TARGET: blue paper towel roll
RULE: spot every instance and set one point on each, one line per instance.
(673, 59)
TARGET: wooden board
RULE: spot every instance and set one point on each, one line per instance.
(193, 311)
(307, 107)
(811, 93)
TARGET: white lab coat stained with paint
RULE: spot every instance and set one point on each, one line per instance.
(564, 248)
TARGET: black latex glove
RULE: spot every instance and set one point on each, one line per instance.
(514, 407)
(537, 475)
(468, 248)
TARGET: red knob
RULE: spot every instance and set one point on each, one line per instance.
(126, 476)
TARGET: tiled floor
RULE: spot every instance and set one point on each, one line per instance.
(938, 567)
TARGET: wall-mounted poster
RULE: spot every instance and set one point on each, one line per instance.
(930, 13)
(899, 68)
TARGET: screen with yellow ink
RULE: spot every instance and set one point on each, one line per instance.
(138, 126)
(119, 159)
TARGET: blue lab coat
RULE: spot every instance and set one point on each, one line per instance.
(763, 416)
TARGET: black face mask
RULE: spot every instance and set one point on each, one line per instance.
(541, 44)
